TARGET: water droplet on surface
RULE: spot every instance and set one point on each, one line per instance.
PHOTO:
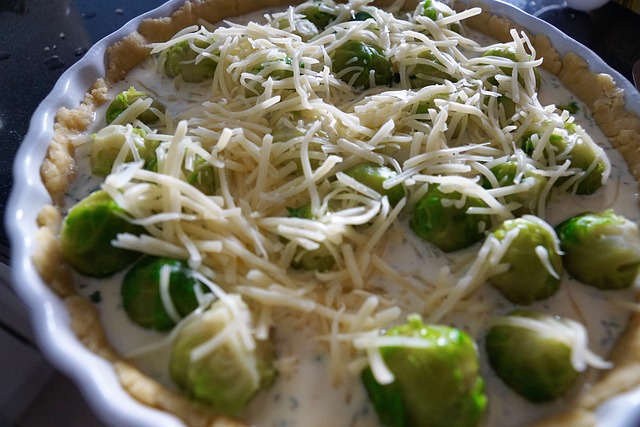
(119, 11)
(4, 55)
(79, 51)
(89, 15)
(54, 62)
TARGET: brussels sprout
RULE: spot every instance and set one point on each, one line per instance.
(582, 156)
(601, 249)
(571, 107)
(508, 53)
(502, 52)
(437, 383)
(587, 158)
(181, 61)
(301, 27)
(87, 232)
(142, 297)
(108, 142)
(442, 219)
(508, 173)
(535, 364)
(318, 259)
(535, 264)
(126, 99)
(273, 70)
(423, 73)
(362, 16)
(425, 105)
(374, 176)
(359, 60)
(320, 14)
(429, 10)
(229, 375)
(203, 177)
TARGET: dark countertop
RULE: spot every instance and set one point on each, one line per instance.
(40, 39)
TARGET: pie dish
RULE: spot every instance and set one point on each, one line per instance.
(23, 242)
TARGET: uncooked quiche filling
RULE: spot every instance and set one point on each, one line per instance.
(311, 195)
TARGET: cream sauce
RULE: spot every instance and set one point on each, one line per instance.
(304, 394)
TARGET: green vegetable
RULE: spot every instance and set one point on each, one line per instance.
(108, 142)
(142, 296)
(442, 219)
(508, 106)
(301, 27)
(508, 173)
(528, 279)
(227, 377)
(126, 99)
(318, 259)
(571, 107)
(432, 12)
(362, 16)
(429, 10)
(585, 158)
(508, 53)
(364, 59)
(534, 364)
(374, 176)
(425, 72)
(502, 52)
(582, 156)
(87, 232)
(436, 385)
(203, 177)
(181, 60)
(274, 69)
(601, 249)
(320, 14)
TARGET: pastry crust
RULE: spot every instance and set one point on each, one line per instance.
(598, 91)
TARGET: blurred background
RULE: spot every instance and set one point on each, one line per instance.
(40, 39)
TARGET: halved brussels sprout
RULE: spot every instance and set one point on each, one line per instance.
(508, 173)
(437, 383)
(299, 26)
(360, 60)
(374, 176)
(87, 232)
(509, 53)
(601, 249)
(582, 156)
(442, 219)
(535, 364)
(203, 177)
(228, 375)
(535, 264)
(431, 11)
(320, 14)
(362, 16)
(142, 292)
(125, 99)
(586, 158)
(318, 259)
(423, 73)
(108, 142)
(181, 61)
